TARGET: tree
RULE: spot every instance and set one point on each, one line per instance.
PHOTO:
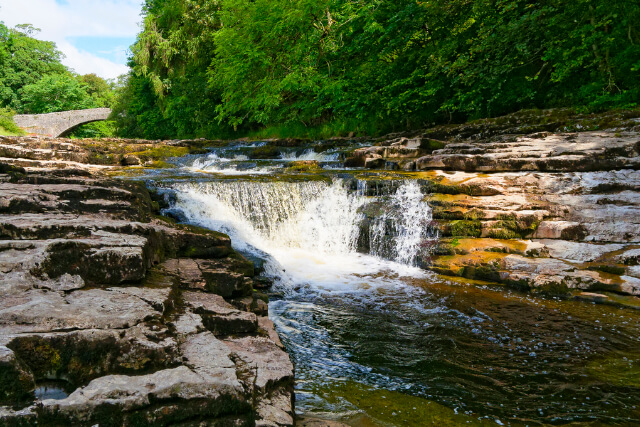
(56, 92)
(25, 60)
(99, 89)
(381, 65)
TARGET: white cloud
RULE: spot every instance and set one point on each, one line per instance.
(83, 62)
(77, 18)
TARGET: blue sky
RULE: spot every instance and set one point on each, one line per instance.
(94, 35)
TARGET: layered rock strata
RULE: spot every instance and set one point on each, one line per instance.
(130, 319)
(542, 211)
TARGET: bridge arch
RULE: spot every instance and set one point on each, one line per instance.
(60, 123)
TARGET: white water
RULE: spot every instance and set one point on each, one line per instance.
(406, 219)
(225, 166)
(310, 229)
(311, 155)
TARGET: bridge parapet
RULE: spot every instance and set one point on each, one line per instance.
(57, 124)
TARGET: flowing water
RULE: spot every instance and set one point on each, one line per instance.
(375, 339)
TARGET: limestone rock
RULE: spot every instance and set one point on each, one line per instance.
(98, 294)
(16, 382)
(218, 316)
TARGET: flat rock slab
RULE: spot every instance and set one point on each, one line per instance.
(46, 311)
(586, 151)
(98, 293)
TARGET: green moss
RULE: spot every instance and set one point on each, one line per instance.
(487, 272)
(552, 289)
(159, 164)
(511, 227)
(161, 152)
(502, 233)
(304, 166)
(465, 228)
(16, 385)
(520, 285)
(38, 354)
(610, 269)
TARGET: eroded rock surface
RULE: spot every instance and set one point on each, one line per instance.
(137, 319)
(520, 204)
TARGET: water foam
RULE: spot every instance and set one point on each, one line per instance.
(310, 229)
(311, 155)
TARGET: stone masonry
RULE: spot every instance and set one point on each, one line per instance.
(57, 124)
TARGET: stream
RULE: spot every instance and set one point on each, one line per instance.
(377, 340)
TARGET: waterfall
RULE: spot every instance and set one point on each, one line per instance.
(400, 232)
(310, 155)
(318, 217)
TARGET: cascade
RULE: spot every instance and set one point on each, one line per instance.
(311, 155)
(401, 231)
(316, 216)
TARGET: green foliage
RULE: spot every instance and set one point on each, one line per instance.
(7, 125)
(207, 67)
(100, 90)
(106, 128)
(33, 80)
(25, 60)
(56, 92)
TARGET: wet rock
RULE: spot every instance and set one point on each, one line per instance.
(130, 161)
(218, 316)
(374, 163)
(16, 381)
(210, 276)
(265, 367)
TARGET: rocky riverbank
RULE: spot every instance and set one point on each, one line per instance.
(110, 312)
(546, 211)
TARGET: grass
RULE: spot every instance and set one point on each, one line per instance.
(4, 132)
(7, 125)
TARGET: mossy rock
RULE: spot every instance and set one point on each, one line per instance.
(304, 166)
(16, 382)
(464, 228)
(552, 289)
(609, 269)
(512, 227)
(429, 145)
(265, 152)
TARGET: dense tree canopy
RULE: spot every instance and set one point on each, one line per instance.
(33, 80)
(203, 66)
(25, 60)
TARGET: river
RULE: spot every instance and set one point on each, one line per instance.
(376, 339)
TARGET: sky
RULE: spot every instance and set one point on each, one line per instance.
(94, 35)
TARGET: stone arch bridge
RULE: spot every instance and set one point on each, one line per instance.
(59, 124)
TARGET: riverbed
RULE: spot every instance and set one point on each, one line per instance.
(378, 340)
